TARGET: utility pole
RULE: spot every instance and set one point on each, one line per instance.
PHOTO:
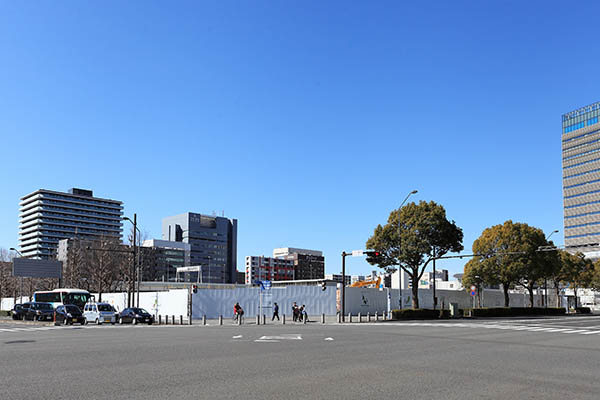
(344, 254)
(434, 298)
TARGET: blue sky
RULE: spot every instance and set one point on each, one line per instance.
(307, 121)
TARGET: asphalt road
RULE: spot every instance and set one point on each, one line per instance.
(553, 358)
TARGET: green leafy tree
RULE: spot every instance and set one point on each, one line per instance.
(509, 255)
(412, 237)
(575, 271)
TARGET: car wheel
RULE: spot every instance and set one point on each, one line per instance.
(135, 321)
(150, 322)
(120, 320)
(85, 321)
(97, 321)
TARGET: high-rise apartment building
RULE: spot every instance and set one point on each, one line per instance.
(268, 268)
(48, 216)
(213, 243)
(581, 178)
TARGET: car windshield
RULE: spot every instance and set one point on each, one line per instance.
(45, 306)
(72, 309)
(105, 307)
(139, 311)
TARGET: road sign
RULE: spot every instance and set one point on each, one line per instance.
(473, 288)
(357, 253)
(473, 293)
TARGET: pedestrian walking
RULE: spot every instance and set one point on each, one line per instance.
(304, 313)
(275, 312)
(295, 312)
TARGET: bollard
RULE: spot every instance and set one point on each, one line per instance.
(173, 319)
(368, 317)
(349, 317)
(323, 318)
(359, 318)
(189, 320)
(264, 319)
(180, 319)
(159, 319)
(339, 318)
(166, 320)
(257, 319)
(305, 319)
(239, 320)
(220, 320)
(283, 319)
(204, 319)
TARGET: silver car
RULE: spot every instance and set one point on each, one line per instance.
(99, 313)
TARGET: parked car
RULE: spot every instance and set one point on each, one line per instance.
(68, 314)
(135, 315)
(38, 311)
(19, 310)
(99, 313)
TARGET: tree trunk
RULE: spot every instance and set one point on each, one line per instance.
(530, 290)
(415, 294)
(506, 297)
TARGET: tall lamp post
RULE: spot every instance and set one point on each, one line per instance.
(400, 270)
(133, 266)
(546, 278)
(20, 278)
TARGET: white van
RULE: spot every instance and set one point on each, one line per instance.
(99, 313)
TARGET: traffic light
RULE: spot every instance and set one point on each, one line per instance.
(323, 285)
(195, 289)
(373, 256)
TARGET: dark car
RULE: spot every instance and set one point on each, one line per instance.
(135, 315)
(38, 311)
(68, 314)
(19, 310)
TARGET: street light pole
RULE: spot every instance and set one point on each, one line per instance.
(546, 278)
(400, 270)
(131, 291)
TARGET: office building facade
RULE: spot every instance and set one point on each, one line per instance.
(268, 268)
(213, 242)
(47, 216)
(581, 179)
(159, 259)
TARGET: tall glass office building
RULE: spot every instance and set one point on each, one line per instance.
(581, 179)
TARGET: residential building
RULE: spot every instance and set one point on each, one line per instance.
(308, 264)
(213, 243)
(268, 268)
(48, 216)
(159, 259)
(581, 179)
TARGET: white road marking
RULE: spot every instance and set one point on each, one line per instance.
(282, 337)
(237, 336)
(328, 338)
